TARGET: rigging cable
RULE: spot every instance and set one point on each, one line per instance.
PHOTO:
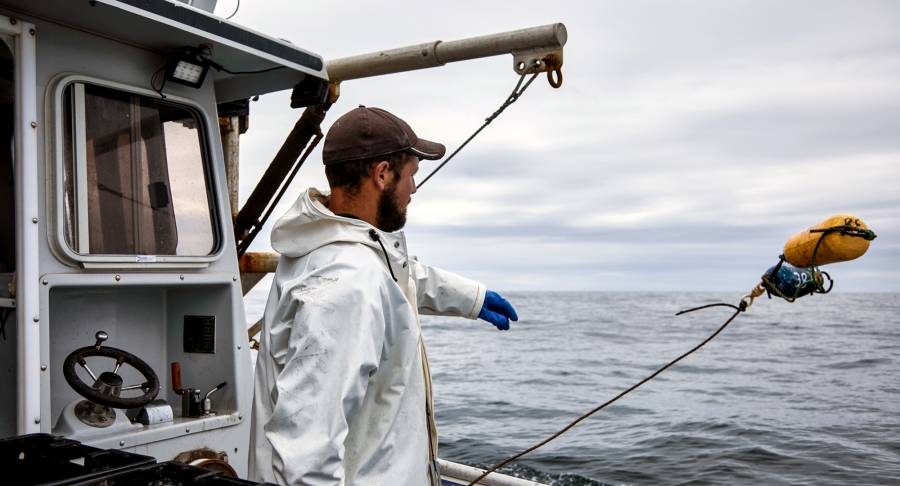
(513, 97)
(245, 243)
(551, 61)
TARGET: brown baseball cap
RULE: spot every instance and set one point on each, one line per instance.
(369, 132)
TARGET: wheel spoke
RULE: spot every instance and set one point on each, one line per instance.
(132, 387)
(118, 365)
(85, 366)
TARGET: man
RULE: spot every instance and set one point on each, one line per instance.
(342, 388)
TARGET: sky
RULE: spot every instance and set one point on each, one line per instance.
(689, 141)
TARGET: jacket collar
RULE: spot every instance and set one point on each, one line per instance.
(309, 225)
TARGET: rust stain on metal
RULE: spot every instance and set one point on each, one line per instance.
(253, 331)
(262, 262)
(554, 66)
(202, 453)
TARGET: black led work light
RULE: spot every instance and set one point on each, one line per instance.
(188, 66)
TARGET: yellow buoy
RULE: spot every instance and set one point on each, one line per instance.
(836, 246)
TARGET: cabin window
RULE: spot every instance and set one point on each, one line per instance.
(134, 174)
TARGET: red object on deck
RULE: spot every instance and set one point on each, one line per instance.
(176, 376)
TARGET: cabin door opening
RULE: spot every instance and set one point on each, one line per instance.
(8, 352)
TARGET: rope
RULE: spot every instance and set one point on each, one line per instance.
(816, 278)
(847, 229)
(513, 97)
(738, 309)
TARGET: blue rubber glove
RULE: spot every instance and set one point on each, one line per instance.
(497, 311)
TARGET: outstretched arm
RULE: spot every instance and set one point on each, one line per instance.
(446, 294)
(441, 293)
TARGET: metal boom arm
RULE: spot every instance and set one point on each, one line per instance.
(526, 45)
(534, 40)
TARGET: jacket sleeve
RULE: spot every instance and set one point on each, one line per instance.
(335, 327)
(441, 293)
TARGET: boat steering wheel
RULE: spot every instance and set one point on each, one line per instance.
(106, 387)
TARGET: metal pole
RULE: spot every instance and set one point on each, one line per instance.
(438, 53)
(255, 266)
(545, 36)
(231, 145)
(304, 130)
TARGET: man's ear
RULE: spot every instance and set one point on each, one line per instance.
(381, 174)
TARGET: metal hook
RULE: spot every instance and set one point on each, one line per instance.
(559, 78)
(749, 298)
(554, 65)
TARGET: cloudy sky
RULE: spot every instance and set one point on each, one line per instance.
(690, 139)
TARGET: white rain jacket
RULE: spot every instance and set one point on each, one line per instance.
(342, 388)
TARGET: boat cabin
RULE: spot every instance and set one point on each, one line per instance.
(115, 218)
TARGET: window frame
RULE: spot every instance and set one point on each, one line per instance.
(55, 104)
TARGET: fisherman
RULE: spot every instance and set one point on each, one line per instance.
(342, 387)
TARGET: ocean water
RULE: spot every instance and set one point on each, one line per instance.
(803, 393)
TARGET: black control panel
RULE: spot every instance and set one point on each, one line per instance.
(199, 334)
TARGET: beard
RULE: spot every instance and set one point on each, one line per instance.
(390, 217)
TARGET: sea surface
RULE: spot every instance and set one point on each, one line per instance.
(803, 393)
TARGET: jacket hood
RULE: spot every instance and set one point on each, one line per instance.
(309, 225)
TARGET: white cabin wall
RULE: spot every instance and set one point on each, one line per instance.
(61, 49)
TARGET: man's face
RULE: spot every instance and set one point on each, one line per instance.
(396, 197)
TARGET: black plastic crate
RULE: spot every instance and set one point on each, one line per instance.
(47, 460)
(168, 474)
(226, 481)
